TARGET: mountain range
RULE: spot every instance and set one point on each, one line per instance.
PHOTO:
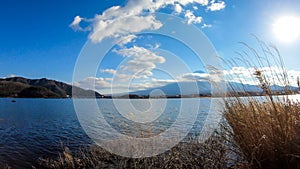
(41, 88)
(20, 87)
(204, 89)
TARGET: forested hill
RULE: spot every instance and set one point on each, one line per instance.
(20, 87)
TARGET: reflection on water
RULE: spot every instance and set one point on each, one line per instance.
(33, 128)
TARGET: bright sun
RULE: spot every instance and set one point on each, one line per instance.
(287, 29)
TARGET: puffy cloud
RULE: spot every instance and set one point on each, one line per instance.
(189, 15)
(294, 76)
(177, 8)
(194, 76)
(140, 63)
(75, 25)
(108, 86)
(117, 22)
(76, 22)
(124, 82)
(121, 23)
(141, 54)
(274, 75)
(122, 26)
(94, 83)
(241, 75)
(235, 74)
(216, 6)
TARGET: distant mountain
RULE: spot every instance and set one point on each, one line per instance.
(40, 88)
(181, 88)
(254, 88)
(204, 88)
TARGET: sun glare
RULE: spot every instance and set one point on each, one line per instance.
(287, 29)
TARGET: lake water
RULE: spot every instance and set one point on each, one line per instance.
(33, 128)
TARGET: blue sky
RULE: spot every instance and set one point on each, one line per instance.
(37, 40)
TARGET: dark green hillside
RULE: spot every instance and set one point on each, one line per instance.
(11, 89)
(37, 92)
(41, 88)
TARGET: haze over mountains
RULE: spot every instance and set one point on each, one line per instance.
(204, 89)
(200, 86)
(19, 87)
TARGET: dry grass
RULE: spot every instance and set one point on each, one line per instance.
(267, 133)
(266, 130)
(211, 154)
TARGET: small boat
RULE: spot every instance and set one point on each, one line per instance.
(13, 101)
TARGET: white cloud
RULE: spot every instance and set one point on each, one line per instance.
(235, 74)
(194, 76)
(216, 6)
(153, 47)
(189, 15)
(122, 26)
(186, 2)
(122, 81)
(274, 75)
(108, 86)
(140, 63)
(206, 26)
(163, 81)
(76, 22)
(117, 22)
(140, 53)
(109, 71)
(241, 75)
(157, 45)
(177, 8)
(75, 25)
(293, 77)
(125, 39)
(94, 83)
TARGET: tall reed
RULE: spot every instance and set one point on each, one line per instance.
(266, 129)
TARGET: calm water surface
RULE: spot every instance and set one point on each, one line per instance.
(33, 128)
